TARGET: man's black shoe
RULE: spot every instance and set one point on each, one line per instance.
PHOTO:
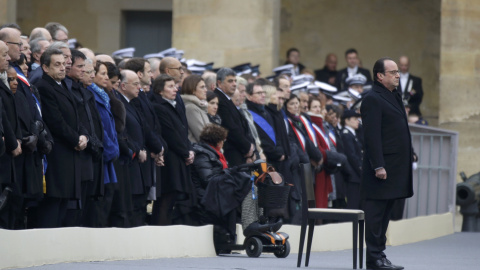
(383, 263)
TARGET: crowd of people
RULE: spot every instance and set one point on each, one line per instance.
(90, 140)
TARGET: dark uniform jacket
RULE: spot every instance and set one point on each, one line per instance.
(354, 153)
(387, 144)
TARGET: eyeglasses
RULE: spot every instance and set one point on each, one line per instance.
(260, 93)
(11, 79)
(90, 72)
(179, 68)
(20, 44)
(393, 72)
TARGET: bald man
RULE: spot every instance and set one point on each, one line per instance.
(11, 36)
(90, 55)
(104, 58)
(41, 32)
(172, 67)
(410, 86)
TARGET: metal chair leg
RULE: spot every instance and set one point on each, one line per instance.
(355, 242)
(360, 239)
(311, 227)
(303, 231)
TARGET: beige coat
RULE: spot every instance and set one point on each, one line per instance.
(196, 111)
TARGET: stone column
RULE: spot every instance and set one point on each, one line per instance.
(8, 11)
(228, 32)
(460, 78)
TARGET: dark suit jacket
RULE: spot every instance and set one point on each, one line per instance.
(239, 139)
(325, 74)
(413, 93)
(12, 132)
(387, 144)
(60, 113)
(343, 75)
(35, 75)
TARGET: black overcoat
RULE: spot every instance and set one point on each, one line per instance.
(175, 174)
(387, 144)
(239, 139)
(11, 131)
(59, 111)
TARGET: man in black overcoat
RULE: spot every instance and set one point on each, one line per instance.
(12, 137)
(60, 113)
(239, 147)
(387, 163)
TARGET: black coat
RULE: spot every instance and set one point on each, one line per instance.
(175, 174)
(134, 130)
(239, 139)
(12, 133)
(154, 140)
(354, 153)
(60, 113)
(325, 74)
(342, 76)
(414, 100)
(2, 143)
(387, 144)
(205, 165)
(89, 118)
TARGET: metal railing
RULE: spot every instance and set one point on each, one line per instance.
(434, 180)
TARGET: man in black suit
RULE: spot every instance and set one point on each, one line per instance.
(60, 113)
(410, 86)
(239, 147)
(387, 163)
(351, 56)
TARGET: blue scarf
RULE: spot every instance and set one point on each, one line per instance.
(101, 93)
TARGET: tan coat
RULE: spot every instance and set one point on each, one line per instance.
(196, 111)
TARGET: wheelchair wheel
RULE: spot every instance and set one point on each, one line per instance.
(284, 251)
(253, 247)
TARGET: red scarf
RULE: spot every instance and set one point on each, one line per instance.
(221, 156)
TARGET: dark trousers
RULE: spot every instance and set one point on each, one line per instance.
(398, 208)
(353, 196)
(139, 213)
(52, 212)
(377, 216)
(121, 204)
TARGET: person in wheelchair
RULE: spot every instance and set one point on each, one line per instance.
(220, 189)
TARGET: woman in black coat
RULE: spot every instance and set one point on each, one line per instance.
(177, 186)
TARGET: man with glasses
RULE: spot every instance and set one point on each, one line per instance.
(11, 36)
(387, 162)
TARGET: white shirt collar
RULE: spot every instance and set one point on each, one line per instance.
(229, 98)
(351, 130)
(404, 80)
(128, 100)
(352, 71)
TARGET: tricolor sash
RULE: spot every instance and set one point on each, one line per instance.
(309, 129)
(264, 125)
(322, 135)
(299, 135)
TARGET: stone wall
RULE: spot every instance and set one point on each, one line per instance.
(376, 28)
(228, 32)
(460, 78)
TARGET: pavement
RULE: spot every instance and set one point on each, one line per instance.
(453, 252)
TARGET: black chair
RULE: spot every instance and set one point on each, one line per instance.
(310, 215)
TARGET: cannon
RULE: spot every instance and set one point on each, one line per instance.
(468, 197)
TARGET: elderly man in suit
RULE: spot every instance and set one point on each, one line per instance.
(410, 87)
(387, 163)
